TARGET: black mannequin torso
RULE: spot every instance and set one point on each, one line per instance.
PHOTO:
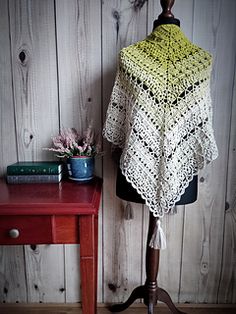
(125, 191)
(165, 20)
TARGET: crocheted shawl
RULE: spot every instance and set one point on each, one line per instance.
(160, 114)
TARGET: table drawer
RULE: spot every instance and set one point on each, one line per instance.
(26, 229)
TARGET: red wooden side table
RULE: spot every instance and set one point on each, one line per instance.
(55, 214)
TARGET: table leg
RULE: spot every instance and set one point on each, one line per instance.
(88, 232)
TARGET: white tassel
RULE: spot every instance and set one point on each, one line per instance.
(173, 210)
(158, 239)
(128, 212)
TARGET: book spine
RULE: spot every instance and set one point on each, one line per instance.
(34, 170)
(18, 179)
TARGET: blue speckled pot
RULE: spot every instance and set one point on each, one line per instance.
(81, 168)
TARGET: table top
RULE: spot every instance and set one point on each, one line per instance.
(64, 198)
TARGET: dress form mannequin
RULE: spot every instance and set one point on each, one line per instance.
(150, 292)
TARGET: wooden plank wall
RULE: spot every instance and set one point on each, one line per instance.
(57, 67)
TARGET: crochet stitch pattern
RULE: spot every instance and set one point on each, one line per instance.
(160, 115)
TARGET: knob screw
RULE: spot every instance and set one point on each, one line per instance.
(14, 233)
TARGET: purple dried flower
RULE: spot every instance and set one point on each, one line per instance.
(70, 143)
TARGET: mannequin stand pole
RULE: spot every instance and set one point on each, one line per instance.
(150, 292)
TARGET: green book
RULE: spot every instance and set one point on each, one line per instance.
(34, 178)
(34, 168)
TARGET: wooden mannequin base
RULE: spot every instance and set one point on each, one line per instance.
(150, 293)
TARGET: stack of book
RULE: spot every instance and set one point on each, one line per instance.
(34, 172)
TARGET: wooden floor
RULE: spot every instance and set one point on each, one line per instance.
(76, 309)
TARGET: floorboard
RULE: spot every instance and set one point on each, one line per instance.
(137, 309)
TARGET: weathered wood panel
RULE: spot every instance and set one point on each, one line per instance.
(12, 269)
(124, 22)
(72, 273)
(32, 33)
(204, 220)
(227, 287)
(45, 273)
(12, 275)
(79, 63)
(8, 151)
(79, 68)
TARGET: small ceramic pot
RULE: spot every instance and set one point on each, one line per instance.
(81, 168)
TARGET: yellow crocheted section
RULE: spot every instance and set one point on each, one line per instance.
(166, 62)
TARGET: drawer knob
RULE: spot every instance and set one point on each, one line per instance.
(14, 233)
